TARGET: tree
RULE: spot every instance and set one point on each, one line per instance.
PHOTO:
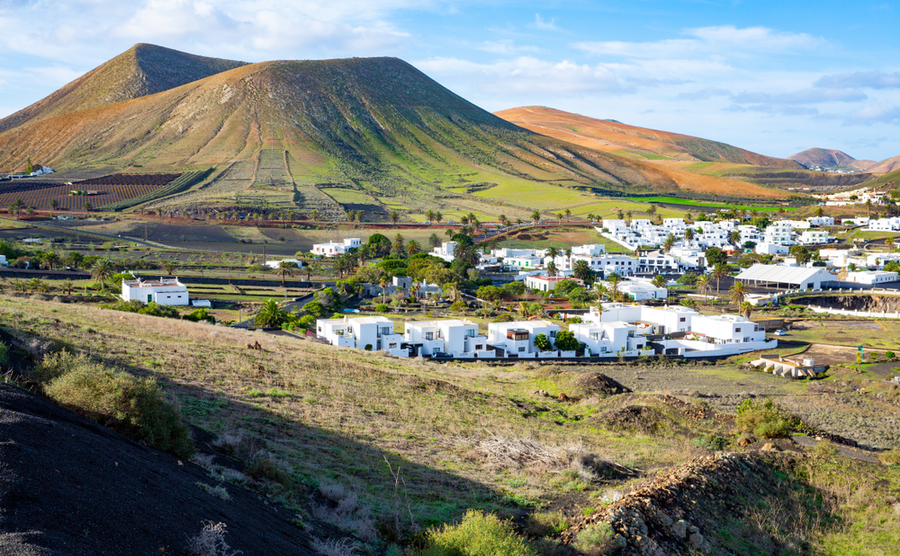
(628, 216)
(651, 211)
(889, 242)
(54, 203)
(669, 243)
(413, 247)
(49, 259)
(820, 212)
(438, 217)
(719, 271)
(88, 207)
(271, 315)
(746, 309)
(429, 215)
(101, 271)
(395, 217)
(286, 268)
(659, 281)
(584, 272)
(614, 281)
(67, 287)
(688, 302)
(314, 215)
(715, 256)
(737, 293)
(379, 245)
(542, 342)
(314, 267)
(735, 237)
(566, 341)
(703, 286)
(568, 213)
(169, 267)
(689, 234)
(29, 167)
(619, 214)
(559, 217)
(74, 259)
(434, 240)
(551, 269)
(535, 217)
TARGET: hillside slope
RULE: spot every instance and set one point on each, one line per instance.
(71, 486)
(885, 166)
(142, 70)
(613, 135)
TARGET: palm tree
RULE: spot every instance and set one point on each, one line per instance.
(67, 287)
(628, 216)
(314, 267)
(719, 271)
(54, 203)
(688, 302)
(820, 212)
(503, 220)
(169, 267)
(746, 309)
(49, 259)
(689, 234)
(889, 242)
(659, 281)
(524, 309)
(438, 217)
(735, 237)
(702, 285)
(737, 294)
(651, 210)
(413, 247)
(74, 259)
(395, 217)
(614, 281)
(434, 240)
(286, 268)
(314, 215)
(559, 217)
(669, 243)
(619, 214)
(551, 269)
(429, 215)
(270, 315)
(101, 271)
(535, 217)
(464, 219)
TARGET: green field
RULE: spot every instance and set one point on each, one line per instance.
(689, 202)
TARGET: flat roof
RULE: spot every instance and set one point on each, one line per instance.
(783, 274)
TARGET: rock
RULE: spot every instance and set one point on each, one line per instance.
(679, 529)
(769, 447)
(693, 529)
(696, 541)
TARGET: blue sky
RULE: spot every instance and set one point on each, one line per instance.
(772, 77)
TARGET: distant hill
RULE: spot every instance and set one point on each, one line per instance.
(830, 158)
(611, 135)
(885, 166)
(143, 70)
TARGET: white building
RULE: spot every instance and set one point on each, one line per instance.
(872, 277)
(765, 248)
(785, 277)
(650, 320)
(592, 249)
(335, 249)
(457, 338)
(276, 264)
(642, 290)
(543, 283)
(367, 333)
(610, 339)
(445, 251)
(165, 291)
(813, 237)
(523, 262)
(821, 220)
(517, 338)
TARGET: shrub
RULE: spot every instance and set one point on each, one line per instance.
(198, 315)
(505, 317)
(764, 419)
(889, 355)
(566, 341)
(711, 442)
(263, 465)
(210, 541)
(478, 534)
(598, 539)
(381, 308)
(134, 406)
(459, 307)
(544, 524)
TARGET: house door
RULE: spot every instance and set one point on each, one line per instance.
(149, 297)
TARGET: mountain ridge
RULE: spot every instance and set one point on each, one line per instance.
(830, 158)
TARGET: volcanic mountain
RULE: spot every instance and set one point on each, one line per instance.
(143, 70)
(830, 158)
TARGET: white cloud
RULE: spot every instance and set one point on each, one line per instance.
(544, 25)
(874, 113)
(506, 46)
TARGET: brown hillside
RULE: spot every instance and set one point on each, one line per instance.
(885, 166)
(143, 70)
(610, 135)
(830, 158)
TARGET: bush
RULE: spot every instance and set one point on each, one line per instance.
(459, 307)
(505, 317)
(544, 524)
(381, 308)
(134, 406)
(598, 539)
(711, 442)
(566, 341)
(889, 355)
(891, 457)
(764, 419)
(198, 315)
(479, 534)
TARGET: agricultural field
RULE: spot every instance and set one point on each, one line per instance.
(692, 203)
(561, 238)
(109, 190)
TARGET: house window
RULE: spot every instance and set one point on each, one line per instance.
(386, 330)
(682, 319)
(595, 335)
(553, 333)
(429, 335)
(521, 348)
(470, 333)
(737, 329)
(479, 347)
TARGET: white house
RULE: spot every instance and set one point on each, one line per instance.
(765, 248)
(812, 237)
(517, 338)
(592, 249)
(445, 251)
(610, 339)
(165, 291)
(276, 264)
(458, 338)
(719, 335)
(821, 220)
(642, 290)
(3, 261)
(651, 320)
(523, 262)
(368, 333)
(543, 283)
(872, 277)
(335, 249)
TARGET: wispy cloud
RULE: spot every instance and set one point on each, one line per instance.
(506, 46)
(860, 80)
(804, 96)
(874, 113)
(543, 24)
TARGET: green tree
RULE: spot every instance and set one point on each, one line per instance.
(169, 267)
(54, 203)
(542, 342)
(29, 167)
(715, 256)
(101, 271)
(49, 260)
(614, 280)
(395, 217)
(669, 243)
(566, 341)
(584, 272)
(271, 315)
(689, 234)
(286, 268)
(434, 240)
(737, 293)
(535, 217)
(719, 271)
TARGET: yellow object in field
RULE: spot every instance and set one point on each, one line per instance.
(842, 275)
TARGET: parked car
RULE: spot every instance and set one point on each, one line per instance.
(780, 333)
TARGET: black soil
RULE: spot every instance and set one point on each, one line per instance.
(70, 486)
